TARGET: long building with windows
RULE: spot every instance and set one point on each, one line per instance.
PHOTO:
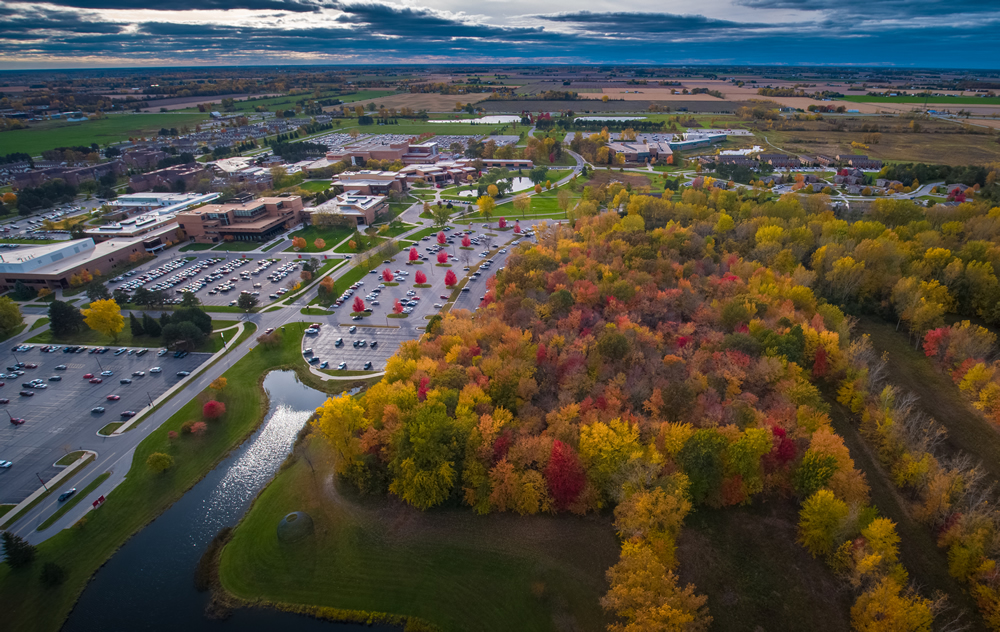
(244, 220)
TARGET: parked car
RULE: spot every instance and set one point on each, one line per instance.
(368, 366)
(342, 366)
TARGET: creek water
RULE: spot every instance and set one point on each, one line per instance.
(149, 583)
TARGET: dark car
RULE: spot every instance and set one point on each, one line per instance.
(125, 414)
(183, 373)
(66, 494)
(55, 378)
(368, 366)
(27, 393)
(125, 381)
(374, 344)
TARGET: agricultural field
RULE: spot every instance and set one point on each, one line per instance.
(115, 128)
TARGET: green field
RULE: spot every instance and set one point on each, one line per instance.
(239, 246)
(87, 336)
(315, 186)
(934, 100)
(114, 128)
(450, 567)
(332, 236)
(196, 247)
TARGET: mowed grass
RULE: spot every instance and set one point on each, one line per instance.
(451, 567)
(332, 236)
(88, 336)
(315, 186)
(115, 128)
(29, 606)
(947, 149)
(756, 577)
(857, 98)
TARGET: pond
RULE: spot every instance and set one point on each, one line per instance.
(520, 184)
(149, 583)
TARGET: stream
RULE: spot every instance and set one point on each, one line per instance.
(148, 584)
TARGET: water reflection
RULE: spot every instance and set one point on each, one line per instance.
(148, 584)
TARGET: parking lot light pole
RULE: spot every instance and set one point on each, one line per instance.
(99, 362)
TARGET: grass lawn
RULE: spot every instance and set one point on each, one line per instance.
(397, 230)
(273, 245)
(196, 247)
(41, 322)
(20, 328)
(87, 336)
(860, 98)
(111, 427)
(426, 232)
(29, 606)
(36, 242)
(112, 129)
(450, 567)
(315, 186)
(743, 558)
(367, 243)
(332, 236)
(69, 458)
(5, 508)
(238, 246)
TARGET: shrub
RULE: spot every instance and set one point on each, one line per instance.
(199, 428)
(186, 427)
(172, 435)
(159, 462)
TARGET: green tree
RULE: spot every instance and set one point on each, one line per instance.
(424, 469)
(247, 302)
(17, 550)
(184, 333)
(188, 299)
(53, 574)
(813, 473)
(150, 326)
(701, 460)
(135, 326)
(821, 522)
(64, 319)
(159, 462)
(10, 315)
(97, 291)
(440, 215)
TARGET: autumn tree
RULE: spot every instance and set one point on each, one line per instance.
(213, 409)
(359, 304)
(522, 202)
(387, 275)
(397, 308)
(219, 384)
(105, 317)
(442, 257)
(450, 279)
(414, 255)
(486, 206)
(646, 595)
(821, 522)
(298, 243)
(420, 277)
(466, 242)
(319, 244)
(888, 608)
(442, 238)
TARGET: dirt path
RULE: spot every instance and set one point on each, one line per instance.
(925, 561)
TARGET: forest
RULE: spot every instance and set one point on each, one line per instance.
(686, 354)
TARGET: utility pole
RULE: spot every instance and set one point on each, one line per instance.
(42, 482)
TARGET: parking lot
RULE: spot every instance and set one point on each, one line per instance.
(226, 277)
(390, 332)
(60, 413)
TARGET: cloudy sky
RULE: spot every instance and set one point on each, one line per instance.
(115, 33)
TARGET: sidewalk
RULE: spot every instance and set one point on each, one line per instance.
(52, 483)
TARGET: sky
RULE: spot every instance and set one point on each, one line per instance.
(121, 33)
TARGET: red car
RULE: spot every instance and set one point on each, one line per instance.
(87, 376)
(444, 296)
(114, 398)
(17, 421)
(3, 383)
(31, 365)
(96, 380)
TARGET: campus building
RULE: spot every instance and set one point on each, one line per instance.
(370, 182)
(53, 265)
(364, 209)
(244, 220)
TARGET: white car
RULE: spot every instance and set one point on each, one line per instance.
(5, 464)
(156, 369)
(312, 331)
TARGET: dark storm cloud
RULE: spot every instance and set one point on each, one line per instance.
(374, 32)
(652, 23)
(298, 6)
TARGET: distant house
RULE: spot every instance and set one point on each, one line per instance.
(780, 161)
(860, 162)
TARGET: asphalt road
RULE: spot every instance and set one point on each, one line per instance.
(59, 418)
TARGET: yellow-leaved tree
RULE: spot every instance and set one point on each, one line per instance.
(486, 206)
(105, 316)
(340, 419)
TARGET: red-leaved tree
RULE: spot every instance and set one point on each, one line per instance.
(414, 255)
(397, 308)
(359, 304)
(199, 428)
(564, 475)
(450, 279)
(420, 277)
(213, 409)
(517, 228)
(502, 223)
(387, 275)
(466, 242)
(442, 257)
(819, 362)
(442, 238)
